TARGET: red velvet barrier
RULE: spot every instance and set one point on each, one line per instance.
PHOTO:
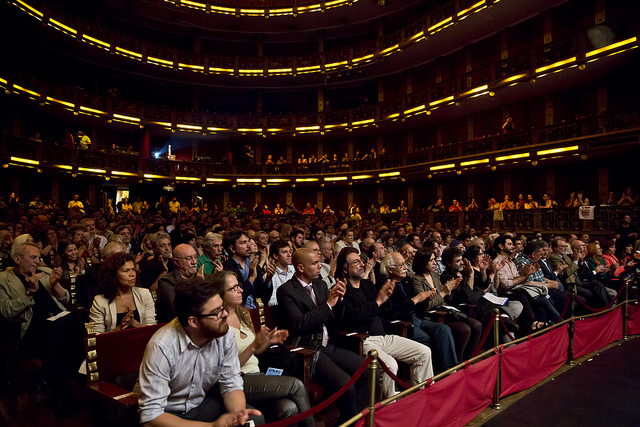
(453, 401)
(596, 332)
(634, 320)
(532, 361)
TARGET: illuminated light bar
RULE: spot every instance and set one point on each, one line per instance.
(611, 47)
(249, 129)
(445, 22)
(250, 71)
(134, 119)
(417, 36)
(256, 180)
(361, 176)
(279, 12)
(91, 110)
(225, 10)
(22, 160)
(36, 94)
(307, 128)
(251, 11)
(335, 64)
(340, 125)
(474, 162)
(308, 69)
(119, 173)
(218, 180)
(215, 129)
(306, 179)
(388, 174)
(189, 127)
(441, 101)
(65, 103)
(93, 40)
(165, 124)
(465, 11)
(393, 116)
(193, 4)
(363, 58)
(274, 130)
(276, 180)
(475, 90)
(61, 27)
(512, 156)
(557, 150)
(127, 52)
(336, 178)
(279, 70)
(92, 170)
(415, 109)
(221, 70)
(160, 61)
(440, 167)
(363, 122)
(389, 49)
(29, 9)
(65, 167)
(3, 81)
(556, 65)
(191, 67)
(514, 78)
(152, 176)
(187, 178)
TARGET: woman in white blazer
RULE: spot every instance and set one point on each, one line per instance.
(120, 304)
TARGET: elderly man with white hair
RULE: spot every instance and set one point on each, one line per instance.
(211, 258)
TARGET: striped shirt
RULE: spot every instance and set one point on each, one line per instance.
(538, 276)
(176, 374)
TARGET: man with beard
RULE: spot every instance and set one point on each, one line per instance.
(297, 239)
(191, 371)
(250, 275)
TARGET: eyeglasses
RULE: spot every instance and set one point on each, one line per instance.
(188, 258)
(216, 314)
(356, 262)
(234, 288)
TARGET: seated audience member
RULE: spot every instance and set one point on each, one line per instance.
(250, 275)
(185, 261)
(309, 312)
(456, 206)
(597, 263)
(190, 373)
(585, 274)
(297, 239)
(120, 304)
(403, 304)
(152, 268)
(88, 284)
(32, 295)
(609, 255)
(347, 241)
(126, 232)
(212, 256)
(327, 260)
(277, 397)
(363, 314)
(72, 265)
(280, 253)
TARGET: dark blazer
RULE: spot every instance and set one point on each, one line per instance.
(259, 289)
(303, 318)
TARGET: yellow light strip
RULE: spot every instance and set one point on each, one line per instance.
(187, 178)
(363, 122)
(474, 162)
(512, 156)
(557, 150)
(152, 176)
(363, 58)
(389, 49)
(463, 12)
(440, 167)
(28, 8)
(221, 70)
(274, 130)
(27, 161)
(160, 61)
(277, 180)
(336, 178)
(340, 125)
(335, 64)
(192, 67)
(475, 90)
(92, 170)
(393, 116)
(67, 104)
(165, 124)
(306, 179)
(218, 180)
(310, 68)
(361, 176)
(611, 47)
(556, 65)
(225, 10)
(514, 78)
(133, 119)
(440, 24)
(15, 86)
(189, 127)
(307, 128)
(250, 71)
(65, 167)
(388, 174)
(215, 129)
(415, 109)
(119, 173)
(249, 129)
(91, 110)
(194, 4)
(127, 52)
(3, 81)
(90, 39)
(279, 70)
(441, 101)
(416, 36)
(249, 180)
(62, 26)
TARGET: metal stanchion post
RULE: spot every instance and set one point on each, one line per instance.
(572, 325)
(373, 367)
(496, 340)
(625, 314)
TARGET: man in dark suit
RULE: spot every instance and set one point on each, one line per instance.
(309, 311)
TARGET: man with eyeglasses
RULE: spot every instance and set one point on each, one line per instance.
(191, 371)
(185, 266)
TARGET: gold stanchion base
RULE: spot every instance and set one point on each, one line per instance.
(495, 406)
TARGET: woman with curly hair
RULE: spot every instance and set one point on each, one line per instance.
(120, 304)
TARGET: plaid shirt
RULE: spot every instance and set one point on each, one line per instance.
(538, 276)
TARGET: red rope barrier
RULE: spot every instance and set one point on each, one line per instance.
(484, 336)
(608, 306)
(392, 375)
(506, 329)
(322, 405)
(566, 304)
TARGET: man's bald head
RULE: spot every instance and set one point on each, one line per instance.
(185, 260)
(307, 264)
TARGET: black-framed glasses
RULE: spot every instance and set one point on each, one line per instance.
(234, 288)
(356, 261)
(216, 314)
(188, 258)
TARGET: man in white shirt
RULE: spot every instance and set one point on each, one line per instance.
(348, 241)
(280, 252)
